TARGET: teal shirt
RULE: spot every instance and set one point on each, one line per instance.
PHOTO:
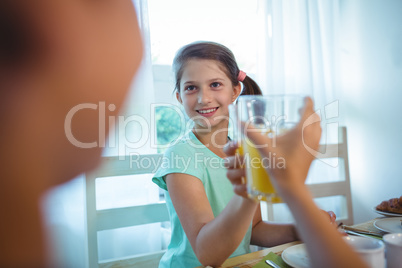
(189, 156)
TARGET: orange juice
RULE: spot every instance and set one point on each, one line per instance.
(258, 183)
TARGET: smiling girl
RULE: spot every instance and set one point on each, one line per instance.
(209, 223)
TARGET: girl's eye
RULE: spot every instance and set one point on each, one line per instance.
(190, 88)
(215, 84)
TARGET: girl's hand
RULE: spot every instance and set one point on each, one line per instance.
(332, 220)
(332, 217)
(235, 171)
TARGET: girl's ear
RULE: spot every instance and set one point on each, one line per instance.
(236, 91)
(178, 97)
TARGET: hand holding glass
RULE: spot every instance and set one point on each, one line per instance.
(272, 116)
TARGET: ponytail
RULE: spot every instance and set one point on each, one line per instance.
(250, 87)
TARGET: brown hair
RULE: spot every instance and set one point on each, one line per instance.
(16, 36)
(213, 51)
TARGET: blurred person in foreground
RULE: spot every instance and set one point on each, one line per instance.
(324, 244)
(54, 57)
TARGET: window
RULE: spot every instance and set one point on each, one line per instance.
(232, 23)
(176, 23)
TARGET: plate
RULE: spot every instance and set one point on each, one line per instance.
(389, 225)
(296, 256)
(389, 214)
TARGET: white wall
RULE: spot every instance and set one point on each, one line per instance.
(370, 94)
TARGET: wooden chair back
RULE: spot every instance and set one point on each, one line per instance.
(327, 189)
(106, 219)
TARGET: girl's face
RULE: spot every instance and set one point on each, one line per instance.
(206, 92)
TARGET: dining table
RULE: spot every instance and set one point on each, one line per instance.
(249, 260)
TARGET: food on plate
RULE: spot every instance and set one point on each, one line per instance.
(393, 205)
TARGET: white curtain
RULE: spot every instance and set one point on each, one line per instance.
(64, 206)
(297, 55)
(297, 47)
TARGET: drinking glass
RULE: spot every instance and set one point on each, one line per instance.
(271, 115)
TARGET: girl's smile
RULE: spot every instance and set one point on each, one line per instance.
(208, 111)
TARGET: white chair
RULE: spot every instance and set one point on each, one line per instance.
(337, 188)
(106, 219)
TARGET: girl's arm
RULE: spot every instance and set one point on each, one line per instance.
(268, 234)
(265, 234)
(212, 239)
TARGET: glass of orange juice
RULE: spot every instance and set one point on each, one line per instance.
(271, 115)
